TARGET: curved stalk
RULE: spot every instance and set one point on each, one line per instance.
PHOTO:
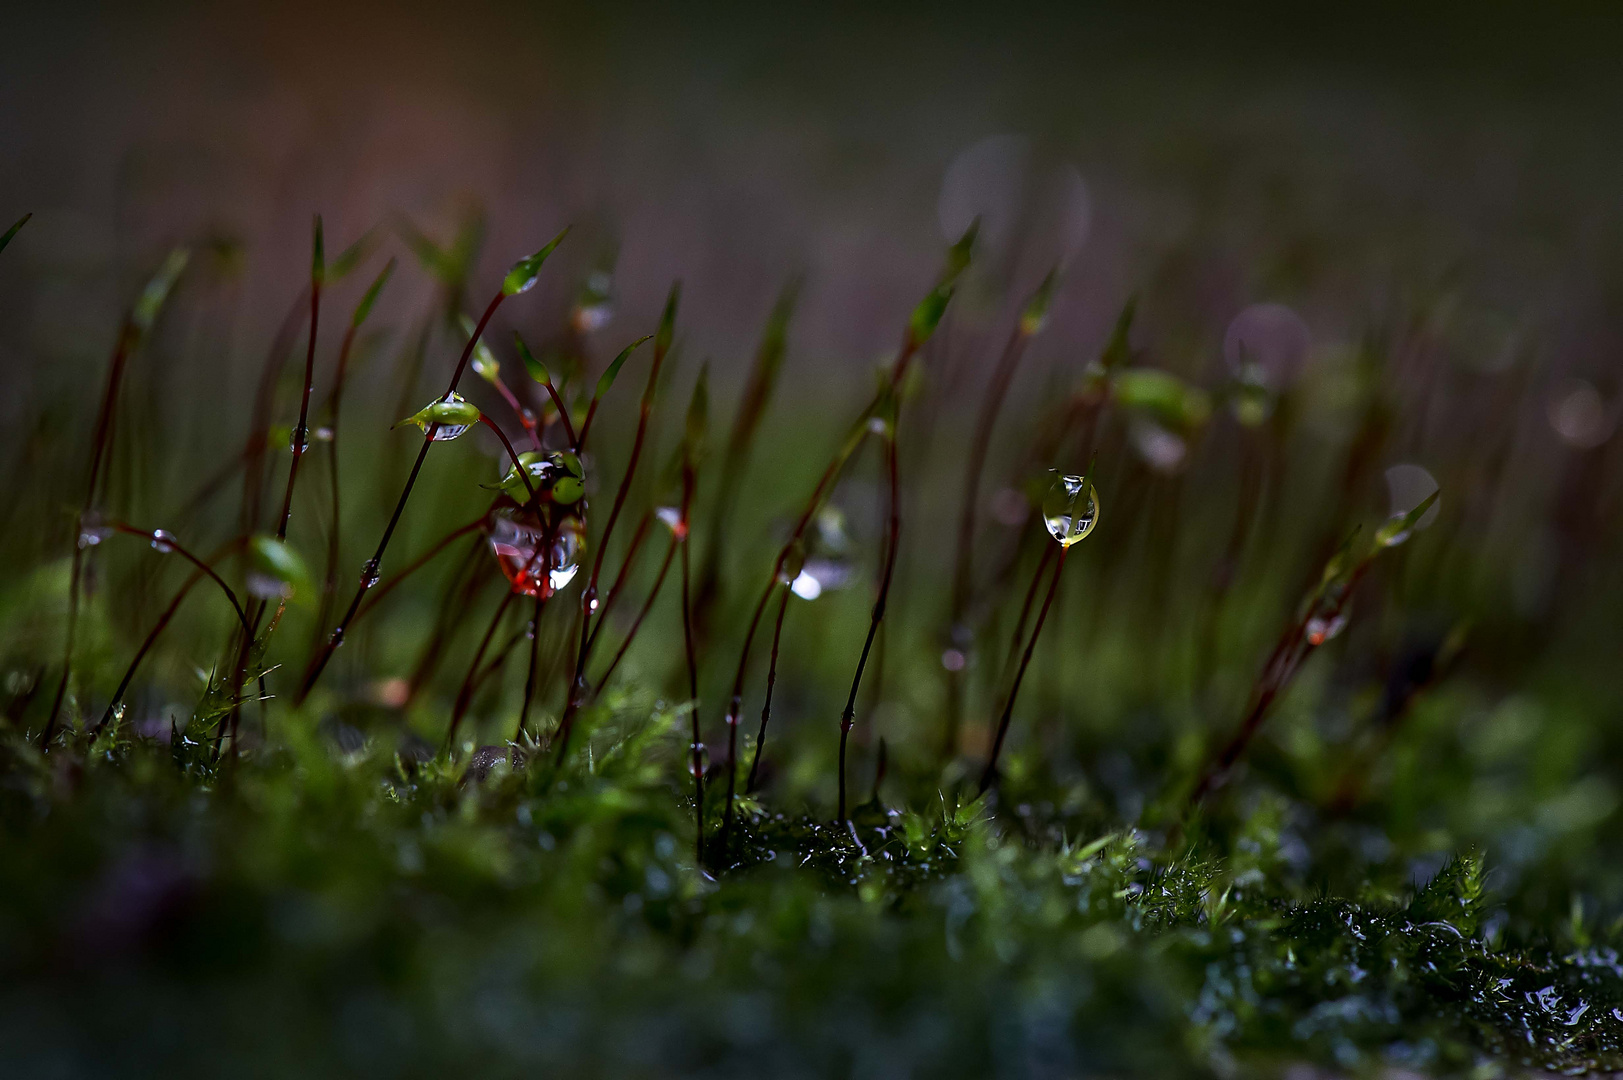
(771, 681)
(200, 571)
(512, 455)
(369, 571)
(636, 624)
(301, 433)
(990, 774)
(893, 542)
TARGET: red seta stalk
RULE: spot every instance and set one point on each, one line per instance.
(892, 543)
(990, 774)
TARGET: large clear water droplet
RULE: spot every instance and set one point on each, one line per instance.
(698, 759)
(518, 538)
(1067, 518)
(369, 573)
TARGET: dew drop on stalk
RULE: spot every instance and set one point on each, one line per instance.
(794, 561)
(163, 541)
(518, 539)
(299, 440)
(369, 573)
(92, 531)
(1066, 522)
(819, 576)
(671, 518)
(1320, 630)
(446, 418)
(698, 759)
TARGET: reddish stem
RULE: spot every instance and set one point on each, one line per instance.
(990, 775)
(369, 571)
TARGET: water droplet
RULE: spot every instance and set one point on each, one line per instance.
(819, 575)
(591, 317)
(671, 517)
(268, 587)
(370, 573)
(337, 638)
(1060, 513)
(163, 541)
(794, 561)
(1320, 630)
(518, 538)
(322, 434)
(953, 659)
(299, 440)
(698, 759)
(446, 418)
(92, 531)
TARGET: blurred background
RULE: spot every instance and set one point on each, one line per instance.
(1432, 195)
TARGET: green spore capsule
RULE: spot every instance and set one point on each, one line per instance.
(446, 418)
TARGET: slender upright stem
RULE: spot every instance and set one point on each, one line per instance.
(464, 694)
(329, 581)
(964, 558)
(127, 335)
(638, 536)
(253, 451)
(140, 654)
(535, 657)
(653, 594)
(370, 570)
(892, 543)
(376, 598)
(158, 536)
(771, 681)
(990, 774)
(200, 571)
(1025, 608)
(512, 455)
(1293, 647)
(697, 748)
(301, 434)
